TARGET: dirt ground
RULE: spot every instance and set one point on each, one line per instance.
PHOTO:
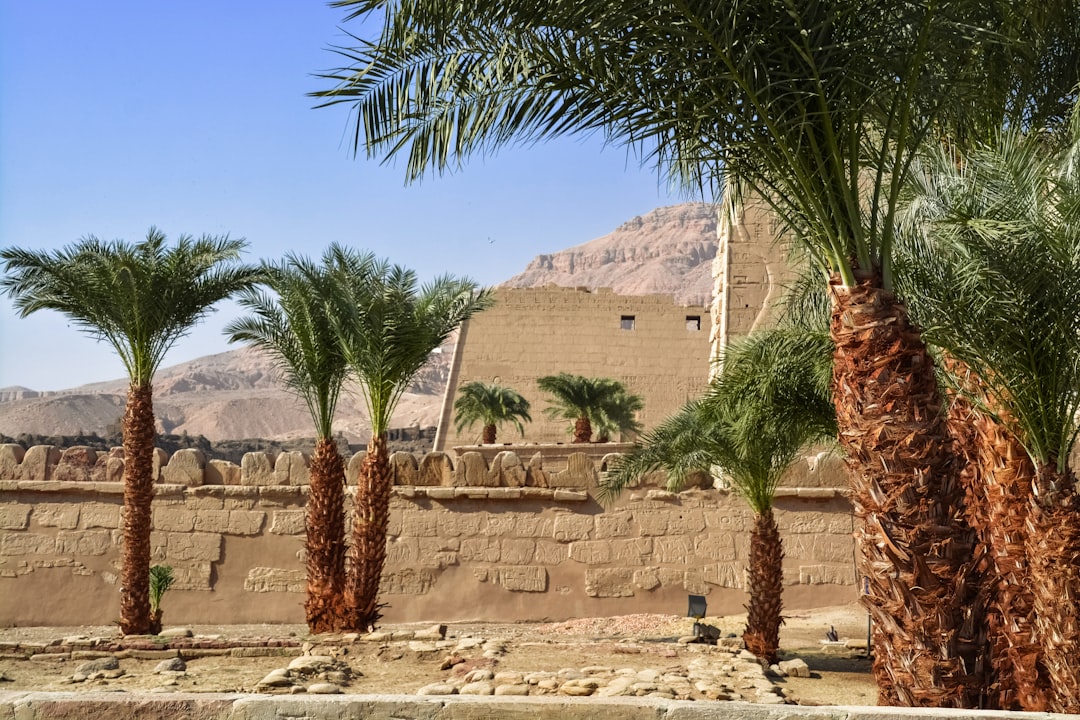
(839, 675)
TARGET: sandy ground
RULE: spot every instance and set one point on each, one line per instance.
(839, 676)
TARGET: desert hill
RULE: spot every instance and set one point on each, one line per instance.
(235, 395)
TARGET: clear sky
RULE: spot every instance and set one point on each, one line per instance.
(194, 117)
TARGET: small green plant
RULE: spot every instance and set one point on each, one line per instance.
(161, 579)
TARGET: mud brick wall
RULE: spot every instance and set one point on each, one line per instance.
(532, 332)
(499, 540)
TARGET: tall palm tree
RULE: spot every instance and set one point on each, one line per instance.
(770, 401)
(292, 325)
(581, 399)
(387, 325)
(490, 404)
(992, 266)
(139, 298)
(819, 107)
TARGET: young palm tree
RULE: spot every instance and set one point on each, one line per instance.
(293, 326)
(770, 401)
(583, 400)
(491, 405)
(992, 267)
(139, 298)
(818, 107)
(387, 326)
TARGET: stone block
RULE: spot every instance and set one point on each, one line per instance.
(245, 522)
(292, 468)
(204, 547)
(687, 522)
(76, 465)
(211, 520)
(549, 553)
(472, 471)
(236, 497)
(646, 578)
(523, 579)
(569, 528)
(520, 524)
(613, 525)
(481, 550)
(823, 574)
(160, 459)
(609, 582)
(580, 474)
(83, 542)
(267, 579)
(508, 470)
(504, 493)
(652, 521)
(591, 552)
(256, 468)
(569, 495)
(192, 576)
(24, 543)
(352, 472)
(408, 581)
(631, 551)
(185, 467)
(516, 552)
(673, 550)
(11, 457)
(436, 468)
(39, 463)
(99, 515)
(535, 475)
(174, 519)
(14, 516)
(402, 551)
(58, 515)
(288, 522)
(694, 582)
(724, 574)
(715, 547)
(222, 472)
(420, 523)
(404, 468)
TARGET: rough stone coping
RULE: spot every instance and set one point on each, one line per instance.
(232, 706)
(811, 493)
(278, 492)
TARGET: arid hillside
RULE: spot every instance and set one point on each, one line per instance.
(235, 395)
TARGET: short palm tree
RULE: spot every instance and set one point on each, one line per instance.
(583, 400)
(139, 298)
(387, 326)
(617, 414)
(491, 405)
(291, 324)
(991, 269)
(769, 403)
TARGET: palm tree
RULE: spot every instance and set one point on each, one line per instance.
(770, 401)
(293, 326)
(584, 400)
(992, 265)
(387, 326)
(490, 404)
(139, 298)
(818, 107)
(617, 414)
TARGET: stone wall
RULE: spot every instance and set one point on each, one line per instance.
(502, 541)
(658, 349)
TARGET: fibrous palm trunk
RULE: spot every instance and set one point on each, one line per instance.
(582, 430)
(766, 586)
(914, 548)
(370, 518)
(1053, 550)
(489, 435)
(325, 545)
(138, 429)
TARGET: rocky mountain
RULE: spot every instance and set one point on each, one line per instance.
(235, 395)
(668, 251)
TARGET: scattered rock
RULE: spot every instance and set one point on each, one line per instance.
(178, 632)
(796, 667)
(175, 664)
(438, 689)
(100, 665)
(323, 689)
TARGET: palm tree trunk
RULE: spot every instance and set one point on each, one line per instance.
(138, 430)
(766, 586)
(370, 519)
(489, 435)
(325, 544)
(1053, 550)
(582, 430)
(915, 550)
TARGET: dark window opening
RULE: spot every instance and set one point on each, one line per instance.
(693, 322)
(626, 322)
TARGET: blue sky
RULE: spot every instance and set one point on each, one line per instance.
(193, 117)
